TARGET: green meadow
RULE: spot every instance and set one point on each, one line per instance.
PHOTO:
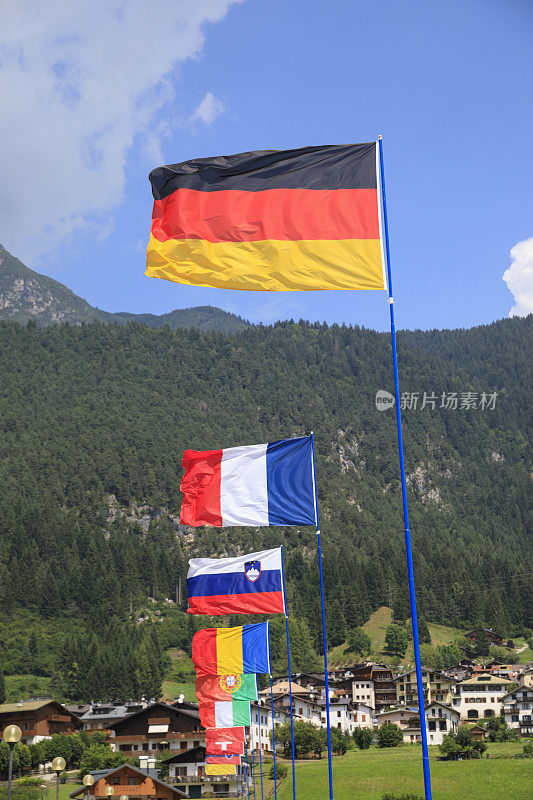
(367, 774)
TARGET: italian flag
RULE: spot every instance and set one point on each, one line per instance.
(225, 713)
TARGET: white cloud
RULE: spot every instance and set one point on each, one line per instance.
(80, 82)
(519, 278)
(208, 109)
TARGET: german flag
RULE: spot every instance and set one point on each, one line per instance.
(272, 220)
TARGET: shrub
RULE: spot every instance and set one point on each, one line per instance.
(29, 782)
(389, 735)
(528, 750)
(394, 796)
(281, 771)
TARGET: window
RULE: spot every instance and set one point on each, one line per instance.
(432, 725)
(196, 744)
(131, 781)
(183, 745)
(442, 725)
(116, 780)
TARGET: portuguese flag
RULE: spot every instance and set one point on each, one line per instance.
(274, 220)
(226, 687)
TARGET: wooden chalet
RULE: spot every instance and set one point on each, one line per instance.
(485, 633)
(157, 727)
(136, 784)
(39, 719)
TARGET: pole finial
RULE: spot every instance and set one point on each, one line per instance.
(380, 136)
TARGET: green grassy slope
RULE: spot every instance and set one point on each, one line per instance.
(376, 628)
(367, 774)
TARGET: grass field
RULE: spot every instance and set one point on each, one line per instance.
(367, 774)
(527, 654)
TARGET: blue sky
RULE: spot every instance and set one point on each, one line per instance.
(447, 84)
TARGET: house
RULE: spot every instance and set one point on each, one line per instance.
(99, 716)
(460, 671)
(157, 727)
(479, 734)
(373, 684)
(39, 719)
(364, 716)
(480, 697)
(440, 720)
(517, 709)
(282, 687)
(437, 686)
(136, 784)
(261, 717)
(363, 691)
(485, 633)
(526, 677)
(186, 771)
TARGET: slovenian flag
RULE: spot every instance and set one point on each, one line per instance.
(249, 584)
(225, 713)
(226, 759)
(261, 485)
(231, 651)
(224, 741)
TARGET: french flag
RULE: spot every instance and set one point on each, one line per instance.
(260, 485)
(250, 584)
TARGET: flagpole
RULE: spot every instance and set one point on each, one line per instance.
(412, 598)
(260, 746)
(246, 781)
(253, 748)
(273, 726)
(290, 675)
(326, 676)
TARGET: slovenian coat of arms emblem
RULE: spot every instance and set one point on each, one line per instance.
(252, 570)
(230, 683)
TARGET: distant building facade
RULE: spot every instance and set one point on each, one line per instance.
(480, 697)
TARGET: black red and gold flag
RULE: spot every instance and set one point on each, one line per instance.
(276, 220)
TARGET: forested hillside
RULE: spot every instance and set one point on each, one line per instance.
(94, 420)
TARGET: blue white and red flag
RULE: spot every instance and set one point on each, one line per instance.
(249, 584)
(260, 485)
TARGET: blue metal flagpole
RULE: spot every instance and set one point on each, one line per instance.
(418, 663)
(253, 748)
(246, 766)
(290, 675)
(326, 676)
(260, 747)
(273, 726)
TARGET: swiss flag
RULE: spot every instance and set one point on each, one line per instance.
(224, 741)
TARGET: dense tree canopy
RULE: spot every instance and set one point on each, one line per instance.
(93, 422)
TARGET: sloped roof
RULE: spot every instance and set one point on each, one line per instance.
(483, 678)
(174, 709)
(189, 756)
(34, 705)
(144, 773)
(282, 687)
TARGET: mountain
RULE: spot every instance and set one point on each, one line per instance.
(26, 295)
(94, 419)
